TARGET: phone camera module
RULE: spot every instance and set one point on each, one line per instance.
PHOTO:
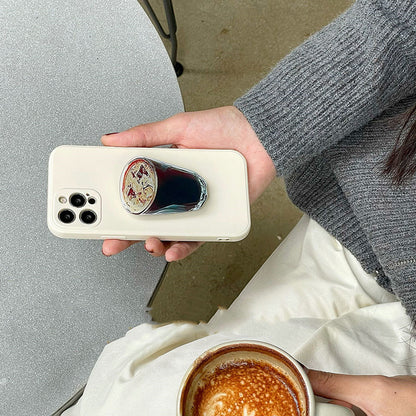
(77, 200)
(88, 217)
(66, 216)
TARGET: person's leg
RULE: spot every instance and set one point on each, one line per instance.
(306, 299)
(310, 275)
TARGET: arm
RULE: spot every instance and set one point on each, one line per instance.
(336, 82)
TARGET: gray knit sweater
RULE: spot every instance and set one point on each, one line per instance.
(329, 114)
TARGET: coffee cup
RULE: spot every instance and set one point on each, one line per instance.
(249, 378)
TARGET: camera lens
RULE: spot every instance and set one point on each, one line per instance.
(88, 217)
(77, 200)
(66, 216)
(91, 200)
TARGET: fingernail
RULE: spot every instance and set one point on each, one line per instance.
(109, 134)
(148, 250)
(107, 255)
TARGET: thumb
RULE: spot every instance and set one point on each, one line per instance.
(169, 131)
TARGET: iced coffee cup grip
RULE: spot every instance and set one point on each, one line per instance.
(150, 186)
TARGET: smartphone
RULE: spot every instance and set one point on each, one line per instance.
(132, 193)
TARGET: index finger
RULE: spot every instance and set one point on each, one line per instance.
(354, 389)
(158, 133)
(376, 395)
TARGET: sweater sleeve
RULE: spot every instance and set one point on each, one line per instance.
(335, 82)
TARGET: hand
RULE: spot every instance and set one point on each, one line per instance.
(219, 128)
(374, 395)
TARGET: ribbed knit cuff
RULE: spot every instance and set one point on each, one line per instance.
(334, 83)
(315, 190)
(405, 288)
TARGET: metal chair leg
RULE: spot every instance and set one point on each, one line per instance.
(171, 34)
(71, 402)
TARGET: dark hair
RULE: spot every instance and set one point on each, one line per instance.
(401, 163)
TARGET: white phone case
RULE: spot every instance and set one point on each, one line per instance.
(95, 172)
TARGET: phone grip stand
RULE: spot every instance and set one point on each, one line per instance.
(152, 187)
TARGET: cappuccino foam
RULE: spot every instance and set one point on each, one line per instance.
(247, 388)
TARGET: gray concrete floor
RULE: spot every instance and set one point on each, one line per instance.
(226, 47)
